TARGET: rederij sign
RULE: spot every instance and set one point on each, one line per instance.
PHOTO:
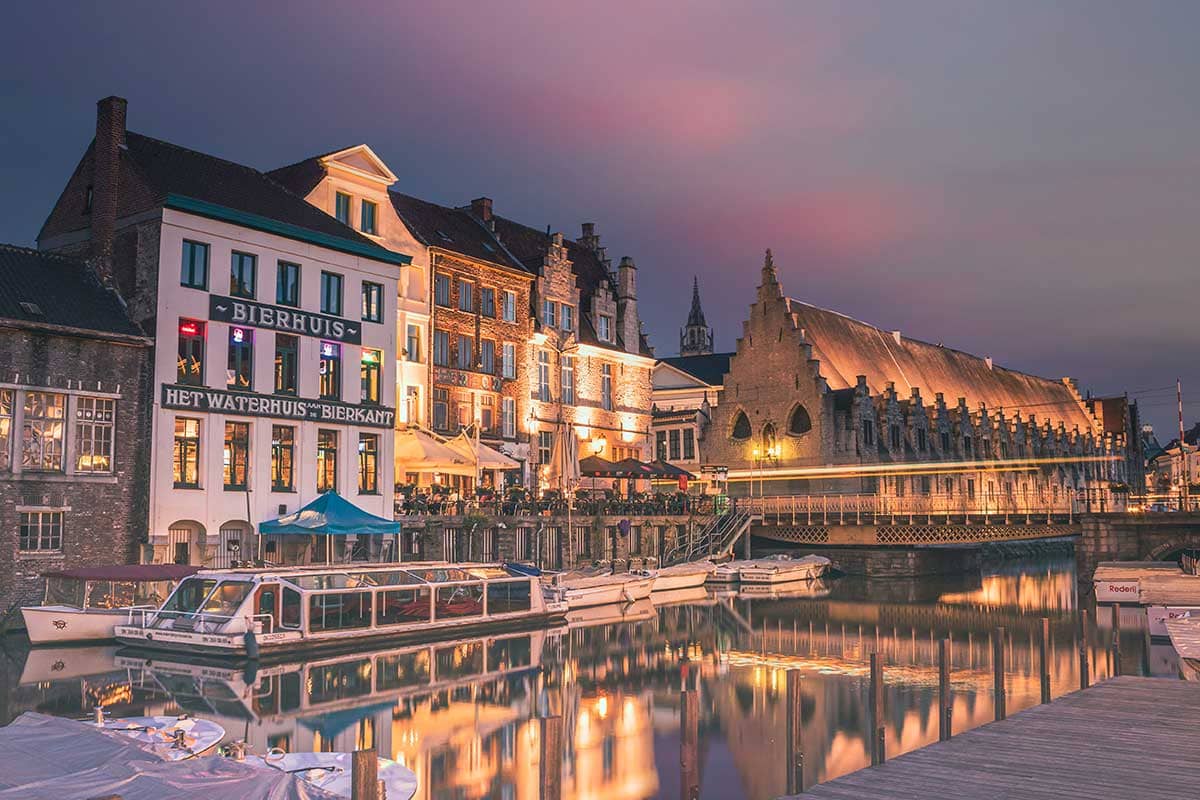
(286, 320)
(247, 404)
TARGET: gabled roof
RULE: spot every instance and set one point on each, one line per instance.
(709, 368)
(303, 176)
(454, 230)
(44, 290)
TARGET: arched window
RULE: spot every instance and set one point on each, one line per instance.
(768, 438)
(799, 423)
(741, 426)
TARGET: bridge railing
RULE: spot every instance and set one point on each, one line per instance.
(874, 509)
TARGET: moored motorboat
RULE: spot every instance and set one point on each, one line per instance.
(784, 570)
(87, 603)
(584, 589)
(332, 773)
(172, 738)
(682, 576)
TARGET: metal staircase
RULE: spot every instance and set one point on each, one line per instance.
(713, 540)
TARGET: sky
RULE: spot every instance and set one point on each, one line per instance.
(1017, 179)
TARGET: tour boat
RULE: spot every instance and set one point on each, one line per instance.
(583, 589)
(331, 772)
(682, 576)
(784, 570)
(173, 738)
(86, 604)
(245, 613)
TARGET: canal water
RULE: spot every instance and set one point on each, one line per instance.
(464, 715)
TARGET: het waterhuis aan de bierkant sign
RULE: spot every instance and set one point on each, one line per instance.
(248, 404)
(284, 320)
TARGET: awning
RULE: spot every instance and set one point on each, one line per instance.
(489, 458)
(418, 450)
(667, 470)
(633, 468)
(597, 467)
(330, 515)
(126, 572)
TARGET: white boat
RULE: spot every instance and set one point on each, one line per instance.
(173, 738)
(583, 589)
(331, 772)
(784, 570)
(245, 613)
(682, 576)
(1157, 617)
(87, 603)
(726, 573)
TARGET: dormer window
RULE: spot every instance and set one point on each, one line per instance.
(341, 207)
(604, 327)
(368, 217)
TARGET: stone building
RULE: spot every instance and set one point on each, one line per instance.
(695, 338)
(818, 403)
(260, 307)
(74, 422)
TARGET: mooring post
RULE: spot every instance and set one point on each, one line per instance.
(1044, 659)
(550, 769)
(943, 690)
(877, 729)
(998, 672)
(795, 739)
(364, 775)
(1083, 649)
(1116, 640)
(689, 740)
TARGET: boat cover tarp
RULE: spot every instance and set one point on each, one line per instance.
(50, 758)
(330, 515)
(126, 572)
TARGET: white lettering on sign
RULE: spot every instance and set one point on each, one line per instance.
(259, 405)
(245, 312)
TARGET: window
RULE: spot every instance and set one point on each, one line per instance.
(187, 453)
(332, 612)
(545, 446)
(508, 417)
(372, 302)
(466, 352)
(413, 343)
(487, 413)
(6, 421)
(799, 423)
(463, 600)
(673, 438)
(466, 297)
(239, 371)
(242, 272)
(341, 207)
(331, 371)
(412, 404)
(509, 309)
(567, 318)
(604, 327)
(441, 409)
(606, 387)
(868, 432)
(921, 441)
(689, 444)
(568, 380)
(966, 446)
(945, 440)
(741, 426)
(441, 348)
(367, 214)
(370, 370)
(285, 363)
(487, 301)
(287, 284)
(191, 353)
(544, 376)
(41, 530)
(549, 313)
(368, 463)
(508, 366)
(42, 432)
(283, 450)
(326, 460)
(94, 419)
(331, 293)
(194, 272)
(487, 356)
(441, 290)
(392, 608)
(894, 433)
(237, 455)
(660, 445)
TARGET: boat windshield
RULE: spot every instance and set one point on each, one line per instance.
(64, 592)
(227, 598)
(189, 595)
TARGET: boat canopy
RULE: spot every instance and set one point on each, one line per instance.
(135, 573)
(411, 576)
(330, 515)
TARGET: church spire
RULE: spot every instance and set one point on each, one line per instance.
(696, 338)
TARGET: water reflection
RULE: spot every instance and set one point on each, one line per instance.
(465, 715)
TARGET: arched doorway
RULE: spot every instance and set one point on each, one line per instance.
(235, 542)
(185, 543)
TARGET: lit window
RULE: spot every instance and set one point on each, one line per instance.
(239, 372)
(568, 380)
(187, 453)
(509, 309)
(368, 463)
(606, 387)
(285, 363)
(371, 366)
(508, 366)
(331, 371)
(6, 420)
(549, 315)
(466, 295)
(413, 347)
(441, 409)
(191, 353)
(567, 318)
(326, 460)
(544, 376)
(508, 417)
(94, 420)
(545, 446)
(237, 455)
(283, 451)
(604, 328)
(42, 432)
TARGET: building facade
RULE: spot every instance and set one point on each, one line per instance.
(274, 328)
(74, 422)
(817, 403)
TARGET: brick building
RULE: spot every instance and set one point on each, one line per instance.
(74, 422)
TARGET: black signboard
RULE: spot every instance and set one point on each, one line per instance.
(249, 404)
(287, 320)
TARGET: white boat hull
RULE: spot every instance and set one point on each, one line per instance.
(619, 591)
(667, 581)
(60, 624)
(1157, 616)
(781, 573)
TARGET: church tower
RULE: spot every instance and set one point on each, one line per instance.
(696, 338)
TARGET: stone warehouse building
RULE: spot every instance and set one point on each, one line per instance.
(74, 422)
(810, 389)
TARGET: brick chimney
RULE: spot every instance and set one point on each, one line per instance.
(627, 310)
(106, 159)
(481, 207)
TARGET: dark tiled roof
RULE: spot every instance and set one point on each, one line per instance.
(57, 291)
(709, 368)
(455, 230)
(299, 178)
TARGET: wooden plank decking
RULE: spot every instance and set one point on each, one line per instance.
(1127, 737)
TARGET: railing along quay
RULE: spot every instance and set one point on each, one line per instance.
(876, 509)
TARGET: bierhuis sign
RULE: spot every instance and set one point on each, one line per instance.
(249, 404)
(286, 320)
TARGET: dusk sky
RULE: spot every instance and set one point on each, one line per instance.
(1015, 179)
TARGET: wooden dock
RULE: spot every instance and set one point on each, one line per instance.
(1127, 737)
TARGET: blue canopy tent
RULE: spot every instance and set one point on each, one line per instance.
(330, 515)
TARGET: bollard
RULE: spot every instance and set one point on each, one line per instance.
(795, 737)
(1083, 651)
(943, 690)
(550, 773)
(1044, 648)
(877, 730)
(1116, 640)
(998, 672)
(364, 775)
